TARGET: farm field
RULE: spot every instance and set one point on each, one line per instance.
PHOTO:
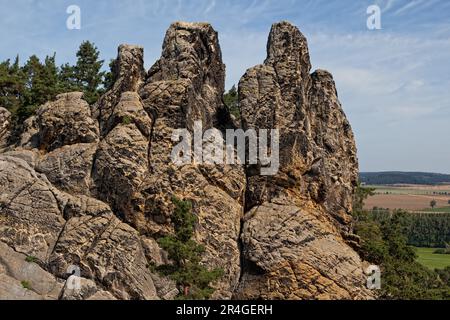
(427, 258)
(410, 197)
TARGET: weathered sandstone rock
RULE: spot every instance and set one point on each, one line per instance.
(5, 123)
(129, 74)
(91, 186)
(293, 243)
(30, 217)
(186, 85)
(66, 121)
(20, 279)
(106, 251)
(69, 167)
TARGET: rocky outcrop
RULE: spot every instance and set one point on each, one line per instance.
(69, 167)
(89, 188)
(184, 86)
(30, 215)
(24, 279)
(5, 123)
(66, 121)
(129, 73)
(107, 251)
(293, 235)
(121, 160)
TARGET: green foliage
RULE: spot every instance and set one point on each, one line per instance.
(396, 177)
(41, 85)
(433, 204)
(445, 250)
(87, 71)
(12, 85)
(26, 284)
(361, 194)
(111, 75)
(24, 89)
(126, 120)
(231, 100)
(428, 229)
(68, 79)
(31, 259)
(191, 276)
(444, 275)
(384, 242)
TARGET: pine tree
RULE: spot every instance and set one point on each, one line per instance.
(87, 71)
(111, 75)
(67, 79)
(191, 276)
(231, 100)
(41, 84)
(12, 85)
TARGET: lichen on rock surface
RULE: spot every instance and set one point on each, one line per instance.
(91, 186)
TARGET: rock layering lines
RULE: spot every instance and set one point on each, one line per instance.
(91, 186)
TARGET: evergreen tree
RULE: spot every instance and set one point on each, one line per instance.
(67, 79)
(12, 85)
(361, 194)
(41, 84)
(231, 100)
(111, 75)
(192, 278)
(87, 71)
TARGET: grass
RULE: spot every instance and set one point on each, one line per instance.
(126, 120)
(431, 260)
(26, 285)
(419, 190)
(31, 259)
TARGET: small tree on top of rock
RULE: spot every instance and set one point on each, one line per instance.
(192, 278)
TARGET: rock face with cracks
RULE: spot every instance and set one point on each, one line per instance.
(90, 187)
(297, 220)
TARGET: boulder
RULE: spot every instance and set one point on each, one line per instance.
(77, 288)
(66, 121)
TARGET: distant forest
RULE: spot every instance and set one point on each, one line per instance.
(396, 177)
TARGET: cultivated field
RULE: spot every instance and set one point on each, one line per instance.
(410, 197)
(431, 260)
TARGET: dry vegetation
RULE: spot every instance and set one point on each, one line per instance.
(409, 197)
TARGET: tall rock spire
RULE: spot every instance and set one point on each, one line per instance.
(297, 222)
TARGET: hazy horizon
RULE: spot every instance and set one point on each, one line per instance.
(393, 83)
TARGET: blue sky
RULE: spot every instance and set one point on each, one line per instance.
(394, 83)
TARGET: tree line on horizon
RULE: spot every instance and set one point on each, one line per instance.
(23, 88)
(397, 177)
